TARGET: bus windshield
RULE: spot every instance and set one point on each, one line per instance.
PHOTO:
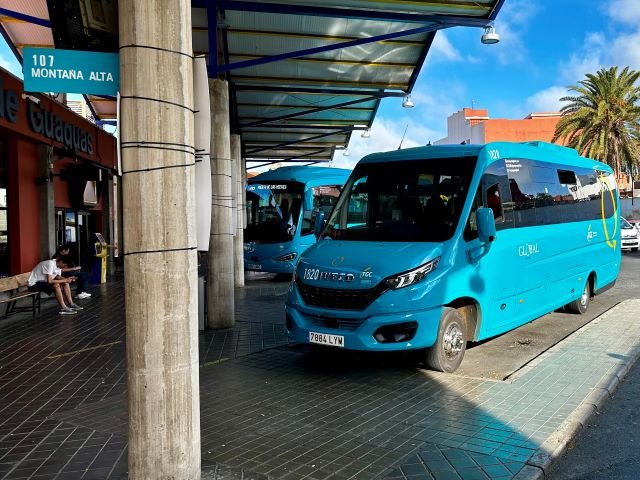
(273, 211)
(408, 201)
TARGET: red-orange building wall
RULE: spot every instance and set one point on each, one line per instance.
(528, 129)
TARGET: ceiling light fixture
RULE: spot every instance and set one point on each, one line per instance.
(407, 102)
(366, 133)
(490, 36)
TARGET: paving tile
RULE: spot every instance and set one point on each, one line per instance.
(270, 408)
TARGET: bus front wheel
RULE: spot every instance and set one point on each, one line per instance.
(447, 353)
(581, 304)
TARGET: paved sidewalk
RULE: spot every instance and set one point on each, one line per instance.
(272, 410)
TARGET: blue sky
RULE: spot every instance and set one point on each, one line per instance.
(544, 47)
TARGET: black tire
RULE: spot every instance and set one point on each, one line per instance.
(635, 249)
(581, 304)
(447, 353)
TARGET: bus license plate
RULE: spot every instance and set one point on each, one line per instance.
(254, 266)
(326, 339)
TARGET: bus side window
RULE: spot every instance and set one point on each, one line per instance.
(324, 198)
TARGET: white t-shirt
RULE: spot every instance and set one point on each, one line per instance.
(41, 270)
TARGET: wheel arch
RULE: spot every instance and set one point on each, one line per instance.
(593, 282)
(470, 310)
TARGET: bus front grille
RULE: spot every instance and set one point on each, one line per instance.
(350, 324)
(337, 298)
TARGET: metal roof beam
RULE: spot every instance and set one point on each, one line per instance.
(298, 158)
(421, 60)
(294, 82)
(382, 15)
(296, 142)
(264, 106)
(307, 112)
(9, 42)
(212, 22)
(25, 18)
(299, 126)
(496, 9)
(237, 31)
(330, 61)
(311, 90)
(215, 70)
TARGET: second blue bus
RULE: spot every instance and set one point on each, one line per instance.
(281, 209)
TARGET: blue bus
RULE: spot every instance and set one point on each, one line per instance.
(431, 247)
(281, 209)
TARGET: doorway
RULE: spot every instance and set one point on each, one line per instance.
(76, 228)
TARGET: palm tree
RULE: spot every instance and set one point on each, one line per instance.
(602, 121)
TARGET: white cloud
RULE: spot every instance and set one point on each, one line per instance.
(625, 50)
(547, 100)
(587, 60)
(598, 52)
(442, 49)
(624, 11)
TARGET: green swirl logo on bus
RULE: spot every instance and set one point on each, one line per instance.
(609, 238)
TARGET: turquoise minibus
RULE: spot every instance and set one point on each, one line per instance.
(432, 247)
(281, 208)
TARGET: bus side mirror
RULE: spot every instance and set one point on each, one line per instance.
(319, 225)
(486, 225)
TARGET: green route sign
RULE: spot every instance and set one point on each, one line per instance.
(70, 71)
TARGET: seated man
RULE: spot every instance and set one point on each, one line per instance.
(70, 270)
(46, 277)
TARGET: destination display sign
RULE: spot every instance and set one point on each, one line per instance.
(71, 71)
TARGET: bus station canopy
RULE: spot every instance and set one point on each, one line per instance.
(303, 75)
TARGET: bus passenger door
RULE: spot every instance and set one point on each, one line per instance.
(491, 279)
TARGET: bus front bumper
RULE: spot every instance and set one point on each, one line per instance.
(365, 333)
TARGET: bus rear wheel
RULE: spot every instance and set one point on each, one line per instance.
(447, 353)
(581, 304)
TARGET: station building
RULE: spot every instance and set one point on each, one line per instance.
(56, 179)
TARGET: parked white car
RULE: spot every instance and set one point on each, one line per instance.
(630, 235)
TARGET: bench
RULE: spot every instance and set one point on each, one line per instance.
(13, 289)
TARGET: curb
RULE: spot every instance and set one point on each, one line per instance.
(555, 445)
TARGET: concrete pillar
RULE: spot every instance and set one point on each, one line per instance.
(220, 298)
(234, 188)
(158, 182)
(47, 204)
(238, 251)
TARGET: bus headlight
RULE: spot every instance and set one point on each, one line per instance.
(412, 276)
(285, 258)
